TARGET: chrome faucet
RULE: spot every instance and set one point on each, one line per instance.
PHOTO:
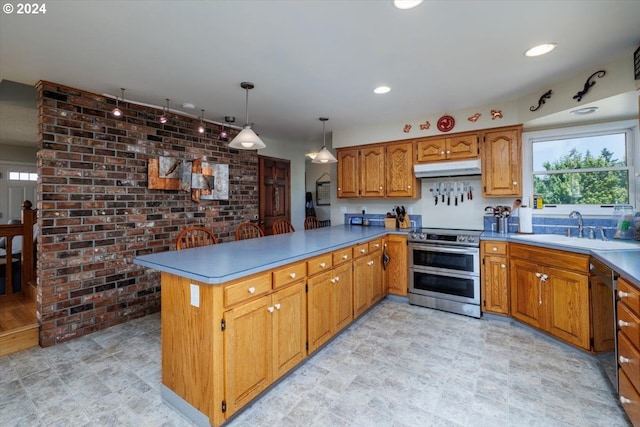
(576, 214)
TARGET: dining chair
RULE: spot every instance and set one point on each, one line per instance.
(248, 230)
(282, 226)
(194, 236)
(311, 222)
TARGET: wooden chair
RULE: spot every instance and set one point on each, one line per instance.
(192, 237)
(311, 222)
(282, 226)
(248, 230)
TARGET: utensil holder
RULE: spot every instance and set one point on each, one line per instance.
(502, 224)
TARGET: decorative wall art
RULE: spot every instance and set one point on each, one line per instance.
(205, 180)
(496, 114)
(542, 100)
(426, 125)
(474, 118)
(446, 123)
(588, 85)
(406, 128)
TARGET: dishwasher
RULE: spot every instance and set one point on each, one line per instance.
(603, 314)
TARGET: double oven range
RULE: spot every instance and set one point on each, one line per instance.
(444, 270)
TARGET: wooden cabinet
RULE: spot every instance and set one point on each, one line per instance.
(348, 173)
(367, 276)
(628, 298)
(495, 277)
(435, 149)
(372, 171)
(396, 275)
(602, 310)
(550, 291)
(501, 154)
(401, 181)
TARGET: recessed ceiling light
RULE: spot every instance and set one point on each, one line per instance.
(188, 106)
(584, 111)
(406, 4)
(541, 49)
(382, 89)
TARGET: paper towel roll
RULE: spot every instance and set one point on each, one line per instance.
(525, 219)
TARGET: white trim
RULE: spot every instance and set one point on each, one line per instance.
(633, 163)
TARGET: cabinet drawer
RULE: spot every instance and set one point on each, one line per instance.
(495, 248)
(343, 255)
(375, 245)
(551, 257)
(360, 250)
(628, 359)
(247, 289)
(629, 324)
(629, 295)
(289, 274)
(629, 398)
(319, 264)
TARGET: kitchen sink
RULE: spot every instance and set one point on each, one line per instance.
(575, 242)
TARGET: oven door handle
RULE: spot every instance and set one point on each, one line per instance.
(469, 251)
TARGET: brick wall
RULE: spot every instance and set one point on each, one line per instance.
(96, 213)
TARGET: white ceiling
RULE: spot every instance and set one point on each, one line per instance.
(313, 58)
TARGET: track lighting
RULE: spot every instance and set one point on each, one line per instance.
(247, 138)
(117, 112)
(324, 156)
(201, 128)
(163, 118)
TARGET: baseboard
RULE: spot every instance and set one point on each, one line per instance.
(18, 339)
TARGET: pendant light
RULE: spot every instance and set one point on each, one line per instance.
(324, 156)
(117, 112)
(201, 128)
(163, 118)
(247, 138)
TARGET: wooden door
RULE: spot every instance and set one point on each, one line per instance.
(348, 173)
(462, 147)
(501, 163)
(372, 171)
(319, 303)
(342, 296)
(526, 293)
(601, 315)
(361, 286)
(375, 277)
(289, 328)
(431, 149)
(248, 352)
(567, 306)
(396, 275)
(401, 181)
(275, 191)
(17, 184)
(495, 294)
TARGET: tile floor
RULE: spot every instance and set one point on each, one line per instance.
(398, 365)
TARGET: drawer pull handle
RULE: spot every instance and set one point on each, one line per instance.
(278, 306)
(494, 249)
(345, 256)
(252, 290)
(623, 359)
(623, 294)
(292, 275)
(271, 309)
(362, 251)
(622, 323)
(323, 265)
(624, 400)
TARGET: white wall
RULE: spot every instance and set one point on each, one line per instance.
(323, 172)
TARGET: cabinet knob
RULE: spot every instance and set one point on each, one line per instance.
(624, 400)
(538, 275)
(515, 182)
(278, 306)
(271, 309)
(377, 245)
(252, 290)
(409, 187)
(345, 256)
(623, 294)
(292, 275)
(381, 187)
(448, 151)
(494, 249)
(442, 152)
(339, 188)
(623, 359)
(503, 266)
(333, 280)
(337, 278)
(370, 263)
(362, 251)
(622, 323)
(323, 265)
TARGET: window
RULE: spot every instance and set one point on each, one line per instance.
(22, 176)
(590, 168)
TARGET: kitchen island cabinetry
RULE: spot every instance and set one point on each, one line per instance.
(458, 147)
(396, 275)
(367, 276)
(550, 291)
(501, 155)
(495, 277)
(629, 349)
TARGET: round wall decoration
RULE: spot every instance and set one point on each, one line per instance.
(446, 123)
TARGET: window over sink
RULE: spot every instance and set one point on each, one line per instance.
(587, 168)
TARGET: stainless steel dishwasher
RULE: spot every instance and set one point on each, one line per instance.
(603, 314)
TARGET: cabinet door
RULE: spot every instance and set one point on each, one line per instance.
(372, 171)
(375, 277)
(602, 311)
(526, 293)
(361, 285)
(248, 348)
(501, 163)
(401, 181)
(567, 306)
(396, 275)
(495, 292)
(348, 174)
(289, 328)
(431, 150)
(342, 296)
(319, 302)
(462, 147)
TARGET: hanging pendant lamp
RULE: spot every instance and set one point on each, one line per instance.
(117, 112)
(201, 128)
(163, 118)
(247, 138)
(324, 156)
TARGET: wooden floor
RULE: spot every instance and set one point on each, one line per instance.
(18, 325)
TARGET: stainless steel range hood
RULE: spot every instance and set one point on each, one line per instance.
(444, 169)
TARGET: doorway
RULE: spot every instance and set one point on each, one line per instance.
(275, 191)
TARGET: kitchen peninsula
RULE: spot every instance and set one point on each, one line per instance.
(239, 315)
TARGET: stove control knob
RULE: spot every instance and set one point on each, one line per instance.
(413, 235)
(423, 236)
(471, 239)
(462, 238)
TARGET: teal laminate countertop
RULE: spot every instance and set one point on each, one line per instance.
(233, 260)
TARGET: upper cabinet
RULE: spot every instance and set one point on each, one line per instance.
(348, 172)
(372, 171)
(401, 181)
(501, 153)
(434, 149)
